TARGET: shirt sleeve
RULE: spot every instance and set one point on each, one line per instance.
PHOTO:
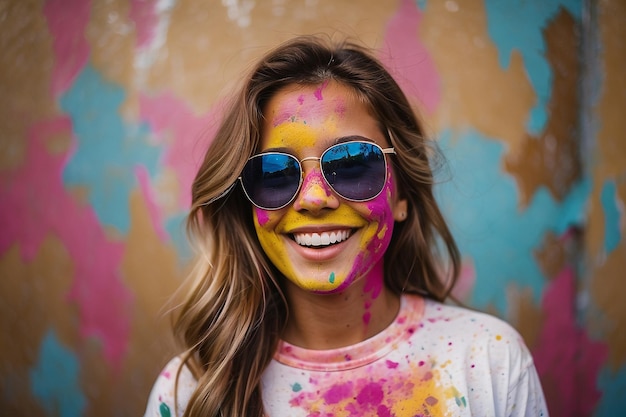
(161, 399)
(526, 399)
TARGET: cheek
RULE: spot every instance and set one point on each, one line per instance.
(262, 216)
(265, 223)
(381, 214)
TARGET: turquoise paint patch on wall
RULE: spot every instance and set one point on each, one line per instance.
(518, 25)
(55, 379)
(612, 234)
(108, 148)
(613, 387)
(175, 227)
(480, 202)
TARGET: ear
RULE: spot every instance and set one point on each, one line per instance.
(400, 210)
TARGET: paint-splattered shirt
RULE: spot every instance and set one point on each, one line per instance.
(437, 361)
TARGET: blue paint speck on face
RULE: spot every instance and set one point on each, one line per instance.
(296, 387)
(331, 278)
(612, 234)
(55, 379)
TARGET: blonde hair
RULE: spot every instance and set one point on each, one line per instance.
(233, 314)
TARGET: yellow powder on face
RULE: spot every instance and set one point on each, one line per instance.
(276, 249)
(284, 134)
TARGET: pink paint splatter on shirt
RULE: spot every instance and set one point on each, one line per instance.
(338, 392)
(391, 364)
(408, 59)
(186, 135)
(567, 360)
(36, 205)
(67, 21)
(371, 394)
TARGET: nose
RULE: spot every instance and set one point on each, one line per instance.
(315, 194)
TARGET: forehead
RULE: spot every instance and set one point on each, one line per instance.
(314, 116)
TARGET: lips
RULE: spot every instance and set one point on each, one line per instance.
(318, 239)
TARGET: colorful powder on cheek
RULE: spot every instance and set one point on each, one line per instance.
(262, 216)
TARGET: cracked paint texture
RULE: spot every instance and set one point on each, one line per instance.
(107, 107)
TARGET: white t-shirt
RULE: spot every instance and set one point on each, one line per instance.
(439, 360)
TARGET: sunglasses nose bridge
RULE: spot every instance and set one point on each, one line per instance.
(309, 158)
(314, 193)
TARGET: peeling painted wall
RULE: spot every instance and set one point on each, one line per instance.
(106, 107)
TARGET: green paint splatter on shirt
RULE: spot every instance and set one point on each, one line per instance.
(165, 410)
(331, 279)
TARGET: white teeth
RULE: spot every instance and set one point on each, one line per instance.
(321, 239)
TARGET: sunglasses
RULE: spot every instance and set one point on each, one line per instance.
(355, 170)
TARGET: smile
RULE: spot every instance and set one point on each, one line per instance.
(321, 239)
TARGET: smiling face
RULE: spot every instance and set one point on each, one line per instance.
(321, 242)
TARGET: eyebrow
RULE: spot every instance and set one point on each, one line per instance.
(341, 139)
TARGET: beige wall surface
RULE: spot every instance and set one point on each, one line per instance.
(106, 107)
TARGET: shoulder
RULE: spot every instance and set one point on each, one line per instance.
(174, 381)
(464, 322)
(478, 334)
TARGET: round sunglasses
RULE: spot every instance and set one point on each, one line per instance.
(355, 170)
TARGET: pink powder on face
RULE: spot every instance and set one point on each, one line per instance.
(367, 317)
(340, 108)
(318, 92)
(314, 178)
(262, 216)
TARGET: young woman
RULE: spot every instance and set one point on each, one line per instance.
(324, 262)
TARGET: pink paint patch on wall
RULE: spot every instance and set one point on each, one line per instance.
(143, 178)
(408, 59)
(36, 204)
(185, 135)
(567, 361)
(144, 15)
(67, 21)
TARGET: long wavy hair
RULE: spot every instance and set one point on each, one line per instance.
(234, 310)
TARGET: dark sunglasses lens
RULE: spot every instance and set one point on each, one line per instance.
(355, 170)
(271, 180)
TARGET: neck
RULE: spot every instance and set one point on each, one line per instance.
(328, 321)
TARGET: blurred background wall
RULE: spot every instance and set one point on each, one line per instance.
(106, 107)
